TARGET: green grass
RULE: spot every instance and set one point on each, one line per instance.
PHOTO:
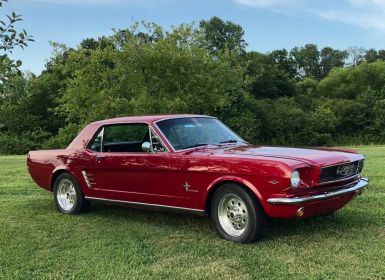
(36, 241)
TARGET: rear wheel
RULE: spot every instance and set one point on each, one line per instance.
(69, 198)
(237, 215)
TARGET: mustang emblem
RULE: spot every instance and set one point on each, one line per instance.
(346, 170)
(187, 188)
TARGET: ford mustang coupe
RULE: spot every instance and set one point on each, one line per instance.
(195, 163)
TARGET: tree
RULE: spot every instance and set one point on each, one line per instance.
(284, 61)
(168, 75)
(89, 43)
(356, 54)
(10, 39)
(381, 55)
(331, 58)
(265, 79)
(350, 82)
(307, 61)
(305, 96)
(371, 55)
(219, 35)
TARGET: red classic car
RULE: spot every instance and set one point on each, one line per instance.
(195, 163)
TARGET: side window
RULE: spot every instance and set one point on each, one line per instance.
(97, 143)
(125, 137)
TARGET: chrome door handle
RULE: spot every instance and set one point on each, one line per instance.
(98, 157)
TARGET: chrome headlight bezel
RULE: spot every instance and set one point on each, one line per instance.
(295, 179)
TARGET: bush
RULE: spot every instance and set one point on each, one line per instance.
(21, 144)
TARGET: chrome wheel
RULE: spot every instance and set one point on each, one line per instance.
(66, 194)
(233, 215)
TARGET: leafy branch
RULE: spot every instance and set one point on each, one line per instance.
(9, 37)
(9, 40)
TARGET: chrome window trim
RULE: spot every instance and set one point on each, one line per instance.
(89, 143)
(149, 136)
(164, 137)
(152, 131)
(150, 205)
(185, 117)
(102, 142)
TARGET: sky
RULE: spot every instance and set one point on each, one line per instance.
(268, 24)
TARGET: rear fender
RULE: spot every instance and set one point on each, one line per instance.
(56, 172)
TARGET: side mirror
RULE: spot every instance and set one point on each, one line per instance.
(146, 147)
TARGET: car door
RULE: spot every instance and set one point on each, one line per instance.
(124, 171)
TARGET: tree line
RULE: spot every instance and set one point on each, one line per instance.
(306, 96)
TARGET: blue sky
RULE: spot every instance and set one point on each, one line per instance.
(268, 24)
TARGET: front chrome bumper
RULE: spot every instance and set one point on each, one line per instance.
(350, 188)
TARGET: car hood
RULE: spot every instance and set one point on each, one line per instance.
(314, 157)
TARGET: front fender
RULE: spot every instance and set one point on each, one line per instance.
(233, 179)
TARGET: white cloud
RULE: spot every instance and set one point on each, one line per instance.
(368, 14)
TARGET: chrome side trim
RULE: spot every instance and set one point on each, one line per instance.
(350, 188)
(87, 180)
(147, 205)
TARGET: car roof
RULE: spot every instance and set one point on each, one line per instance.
(148, 118)
(86, 134)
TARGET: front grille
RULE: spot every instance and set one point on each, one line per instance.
(342, 171)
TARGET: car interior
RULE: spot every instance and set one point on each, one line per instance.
(115, 142)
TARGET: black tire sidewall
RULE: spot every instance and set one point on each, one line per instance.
(256, 223)
(79, 202)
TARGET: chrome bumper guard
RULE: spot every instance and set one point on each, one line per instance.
(350, 188)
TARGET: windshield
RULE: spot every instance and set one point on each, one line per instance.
(184, 133)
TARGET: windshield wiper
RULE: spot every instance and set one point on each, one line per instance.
(196, 145)
(207, 144)
(229, 141)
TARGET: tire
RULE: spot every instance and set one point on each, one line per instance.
(69, 198)
(237, 215)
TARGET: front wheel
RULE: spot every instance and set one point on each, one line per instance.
(237, 215)
(69, 198)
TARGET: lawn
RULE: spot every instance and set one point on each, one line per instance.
(37, 242)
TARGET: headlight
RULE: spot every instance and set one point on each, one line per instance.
(295, 179)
